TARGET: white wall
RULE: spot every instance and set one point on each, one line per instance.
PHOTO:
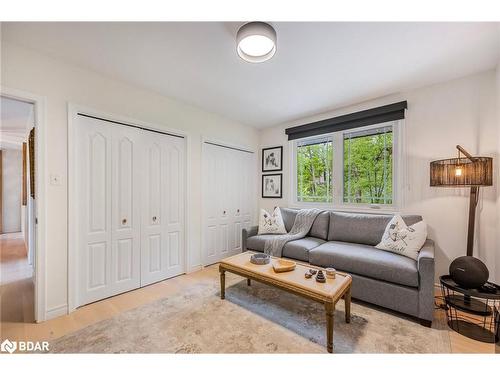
(61, 83)
(461, 111)
(12, 162)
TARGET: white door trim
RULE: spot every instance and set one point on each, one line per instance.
(73, 111)
(39, 103)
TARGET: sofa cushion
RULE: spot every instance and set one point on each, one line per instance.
(367, 261)
(288, 215)
(365, 229)
(320, 226)
(319, 229)
(299, 249)
(257, 243)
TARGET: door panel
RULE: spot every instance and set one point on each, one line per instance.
(94, 206)
(126, 205)
(163, 217)
(154, 253)
(130, 189)
(97, 171)
(228, 200)
(211, 204)
(175, 187)
(97, 266)
(125, 262)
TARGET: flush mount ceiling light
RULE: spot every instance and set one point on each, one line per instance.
(256, 42)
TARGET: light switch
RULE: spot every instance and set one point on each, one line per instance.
(55, 179)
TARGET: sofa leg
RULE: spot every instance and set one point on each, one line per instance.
(426, 323)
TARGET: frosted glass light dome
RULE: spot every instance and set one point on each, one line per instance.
(256, 42)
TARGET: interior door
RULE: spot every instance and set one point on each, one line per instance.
(126, 206)
(210, 204)
(163, 191)
(237, 170)
(94, 185)
(223, 192)
(227, 200)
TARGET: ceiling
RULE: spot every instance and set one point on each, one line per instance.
(317, 66)
(16, 117)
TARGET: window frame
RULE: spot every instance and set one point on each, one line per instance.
(398, 171)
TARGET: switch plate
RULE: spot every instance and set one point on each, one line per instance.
(55, 179)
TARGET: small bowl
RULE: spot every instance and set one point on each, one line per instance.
(260, 259)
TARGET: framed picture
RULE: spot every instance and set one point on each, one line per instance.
(272, 185)
(272, 159)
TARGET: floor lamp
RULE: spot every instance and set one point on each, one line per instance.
(472, 172)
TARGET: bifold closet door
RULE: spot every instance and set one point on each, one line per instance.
(108, 203)
(228, 200)
(163, 192)
(130, 196)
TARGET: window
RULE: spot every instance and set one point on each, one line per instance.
(355, 167)
(368, 166)
(315, 170)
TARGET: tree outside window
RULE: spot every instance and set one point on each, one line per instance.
(315, 170)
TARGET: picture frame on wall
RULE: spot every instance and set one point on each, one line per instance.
(272, 159)
(272, 185)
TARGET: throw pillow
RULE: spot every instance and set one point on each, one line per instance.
(402, 239)
(271, 224)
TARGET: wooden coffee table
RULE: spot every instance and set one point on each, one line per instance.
(328, 293)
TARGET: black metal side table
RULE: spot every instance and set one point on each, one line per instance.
(472, 312)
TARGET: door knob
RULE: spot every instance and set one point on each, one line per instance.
(238, 210)
(224, 212)
(124, 221)
(154, 218)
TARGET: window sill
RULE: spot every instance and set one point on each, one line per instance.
(347, 208)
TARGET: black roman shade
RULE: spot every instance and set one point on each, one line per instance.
(390, 112)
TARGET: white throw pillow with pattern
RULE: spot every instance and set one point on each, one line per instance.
(271, 224)
(402, 239)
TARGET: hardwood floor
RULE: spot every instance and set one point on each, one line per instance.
(17, 324)
(16, 281)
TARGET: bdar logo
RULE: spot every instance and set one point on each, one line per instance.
(8, 346)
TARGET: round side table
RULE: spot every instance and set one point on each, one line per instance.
(472, 312)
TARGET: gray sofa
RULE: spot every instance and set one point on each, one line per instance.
(346, 241)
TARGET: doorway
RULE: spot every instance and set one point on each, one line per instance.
(17, 210)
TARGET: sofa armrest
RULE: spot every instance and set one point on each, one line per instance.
(426, 257)
(425, 265)
(246, 233)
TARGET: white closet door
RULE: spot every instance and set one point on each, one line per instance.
(210, 204)
(227, 196)
(175, 191)
(237, 171)
(162, 232)
(109, 218)
(223, 192)
(126, 206)
(94, 189)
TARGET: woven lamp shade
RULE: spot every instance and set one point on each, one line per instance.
(472, 173)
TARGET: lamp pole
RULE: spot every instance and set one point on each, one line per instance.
(474, 195)
(473, 199)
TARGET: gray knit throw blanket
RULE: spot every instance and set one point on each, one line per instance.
(302, 225)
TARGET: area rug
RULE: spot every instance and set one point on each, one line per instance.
(252, 319)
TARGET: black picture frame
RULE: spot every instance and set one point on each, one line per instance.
(280, 168)
(280, 175)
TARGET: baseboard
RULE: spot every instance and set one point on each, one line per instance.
(56, 312)
(194, 268)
